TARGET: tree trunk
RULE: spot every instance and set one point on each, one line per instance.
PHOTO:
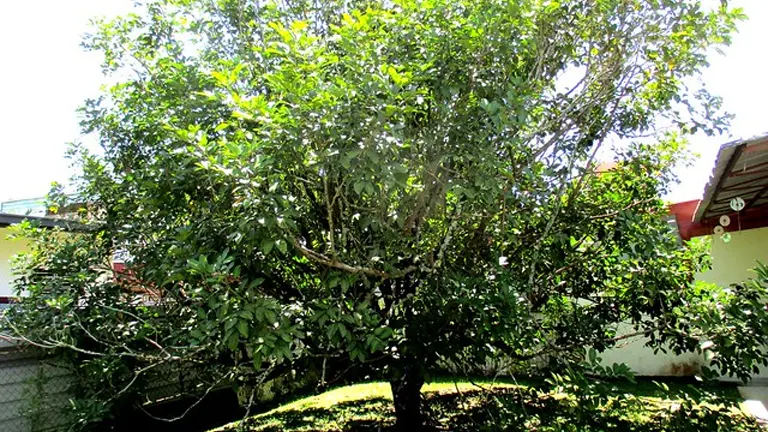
(406, 392)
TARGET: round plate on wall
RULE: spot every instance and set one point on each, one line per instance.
(737, 204)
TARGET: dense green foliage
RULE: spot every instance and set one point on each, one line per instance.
(308, 187)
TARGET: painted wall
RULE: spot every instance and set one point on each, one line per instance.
(644, 362)
(732, 262)
(8, 248)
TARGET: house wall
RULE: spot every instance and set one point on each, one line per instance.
(8, 248)
(732, 262)
(644, 362)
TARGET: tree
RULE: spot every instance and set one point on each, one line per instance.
(386, 184)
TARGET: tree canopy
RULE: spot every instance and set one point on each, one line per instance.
(382, 185)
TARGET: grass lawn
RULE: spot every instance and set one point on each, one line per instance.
(510, 406)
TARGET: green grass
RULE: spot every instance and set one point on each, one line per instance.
(511, 406)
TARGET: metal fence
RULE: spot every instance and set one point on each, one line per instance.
(36, 393)
(33, 392)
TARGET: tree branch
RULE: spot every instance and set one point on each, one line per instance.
(334, 263)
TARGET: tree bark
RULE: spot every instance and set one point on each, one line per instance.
(406, 393)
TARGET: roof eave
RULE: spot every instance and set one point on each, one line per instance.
(7, 219)
(726, 157)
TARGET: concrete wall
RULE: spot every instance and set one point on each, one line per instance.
(644, 362)
(8, 248)
(732, 262)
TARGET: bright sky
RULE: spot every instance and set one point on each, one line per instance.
(45, 76)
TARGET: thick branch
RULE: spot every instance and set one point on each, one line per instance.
(334, 263)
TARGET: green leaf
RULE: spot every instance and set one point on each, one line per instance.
(401, 178)
(359, 186)
(270, 316)
(242, 327)
(396, 77)
(298, 26)
(232, 341)
(282, 246)
(221, 127)
(221, 78)
(266, 246)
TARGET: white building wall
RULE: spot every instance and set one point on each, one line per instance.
(732, 262)
(644, 362)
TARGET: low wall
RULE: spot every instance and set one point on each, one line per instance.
(644, 362)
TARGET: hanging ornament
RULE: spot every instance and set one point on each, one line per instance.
(719, 230)
(726, 237)
(725, 220)
(737, 204)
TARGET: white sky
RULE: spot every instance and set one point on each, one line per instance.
(45, 76)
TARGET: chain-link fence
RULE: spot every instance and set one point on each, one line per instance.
(33, 392)
(36, 393)
(169, 382)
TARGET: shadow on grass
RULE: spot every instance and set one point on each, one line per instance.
(528, 409)
(645, 409)
(365, 415)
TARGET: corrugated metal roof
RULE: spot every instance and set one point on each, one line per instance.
(740, 171)
(30, 206)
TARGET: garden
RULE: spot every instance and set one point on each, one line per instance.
(512, 405)
(304, 195)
